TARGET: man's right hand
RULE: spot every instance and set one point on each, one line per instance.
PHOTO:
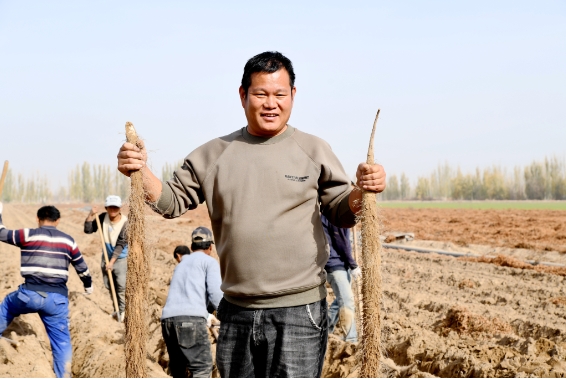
(131, 158)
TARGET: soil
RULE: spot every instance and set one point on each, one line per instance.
(441, 316)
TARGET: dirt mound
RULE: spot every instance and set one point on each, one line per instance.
(459, 319)
(512, 262)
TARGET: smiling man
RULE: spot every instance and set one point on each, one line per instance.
(265, 186)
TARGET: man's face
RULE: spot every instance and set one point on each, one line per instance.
(113, 211)
(268, 103)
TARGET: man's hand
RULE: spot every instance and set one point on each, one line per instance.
(370, 177)
(356, 273)
(212, 321)
(1, 207)
(92, 214)
(131, 158)
(110, 266)
(88, 291)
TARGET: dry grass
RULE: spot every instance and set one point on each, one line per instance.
(467, 283)
(461, 320)
(558, 301)
(511, 262)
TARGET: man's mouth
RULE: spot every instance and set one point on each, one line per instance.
(269, 115)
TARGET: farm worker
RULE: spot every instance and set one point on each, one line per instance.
(115, 231)
(340, 266)
(195, 284)
(46, 255)
(265, 185)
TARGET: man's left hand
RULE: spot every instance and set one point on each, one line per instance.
(356, 273)
(370, 177)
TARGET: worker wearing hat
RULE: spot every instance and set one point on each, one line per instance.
(195, 285)
(114, 230)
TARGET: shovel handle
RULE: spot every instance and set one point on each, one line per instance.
(3, 178)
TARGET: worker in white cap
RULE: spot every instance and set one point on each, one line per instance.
(114, 230)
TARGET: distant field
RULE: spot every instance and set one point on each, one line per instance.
(479, 205)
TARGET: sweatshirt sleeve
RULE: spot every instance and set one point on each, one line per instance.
(181, 193)
(13, 237)
(334, 186)
(184, 191)
(213, 282)
(92, 226)
(122, 241)
(80, 266)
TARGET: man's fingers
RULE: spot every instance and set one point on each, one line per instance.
(128, 146)
(125, 154)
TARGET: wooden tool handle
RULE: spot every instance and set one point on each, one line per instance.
(3, 178)
(110, 277)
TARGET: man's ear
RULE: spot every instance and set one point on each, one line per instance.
(242, 96)
(293, 92)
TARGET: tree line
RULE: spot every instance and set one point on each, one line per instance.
(86, 183)
(540, 180)
(544, 179)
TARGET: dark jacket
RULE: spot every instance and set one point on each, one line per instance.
(121, 242)
(340, 247)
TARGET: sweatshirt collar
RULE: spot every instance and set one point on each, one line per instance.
(267, 140)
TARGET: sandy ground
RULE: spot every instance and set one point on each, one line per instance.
(442, 316)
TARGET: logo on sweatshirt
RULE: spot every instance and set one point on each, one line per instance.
(294, 178)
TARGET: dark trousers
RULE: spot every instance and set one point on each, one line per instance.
(279, 342)
(188, 346)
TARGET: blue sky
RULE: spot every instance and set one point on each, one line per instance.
(473, 83)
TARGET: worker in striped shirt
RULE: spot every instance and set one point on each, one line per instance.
(46, 256)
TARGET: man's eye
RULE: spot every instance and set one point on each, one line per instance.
(260, 95)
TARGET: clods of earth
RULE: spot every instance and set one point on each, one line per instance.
(442, 316)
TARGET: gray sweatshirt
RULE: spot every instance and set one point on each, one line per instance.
(264, 198)
(196, 282)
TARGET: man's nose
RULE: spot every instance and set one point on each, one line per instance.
(270, 102)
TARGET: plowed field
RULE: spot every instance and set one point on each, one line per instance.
(442, 316)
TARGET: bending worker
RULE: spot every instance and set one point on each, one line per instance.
(114, 230)
(195, 284)
(46, 255)
(340, 267)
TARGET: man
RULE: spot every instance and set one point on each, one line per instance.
(265, 186)
(46, 255)
(115, 231)
(195, 283)
(339, 267)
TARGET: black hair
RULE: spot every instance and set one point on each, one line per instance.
(48, 213)
(267, 62)
(181, 250)
(201, 246)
